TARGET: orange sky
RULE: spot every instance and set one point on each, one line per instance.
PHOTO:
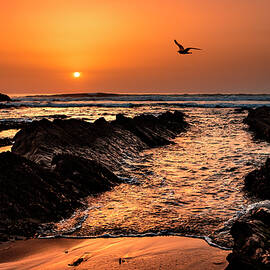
(127, 46)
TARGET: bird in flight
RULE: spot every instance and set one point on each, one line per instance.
(182, 50)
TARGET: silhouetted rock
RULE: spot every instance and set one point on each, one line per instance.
(5, 142)
(4, 106)
(4, 97)
(62, 161)
(8, 124)
(259, 122)
(257, 182)
(83, 175)
(242, 109)
(147, 128)
(30, 194)
(106, 142)
(251, 234)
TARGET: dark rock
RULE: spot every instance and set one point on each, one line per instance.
(4, 97)
(30, 194)
(57, 116)
(251, 234)
(102, 141)
(83, 175)
(5, 142)
(101, 121)
(56, 163)
(257, 182)
(140, 127)
(242, 109)
(259, 122)
(5, 125)
(4, 106)
(154, 131)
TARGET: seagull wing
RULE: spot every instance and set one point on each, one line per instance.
(179, 45)
(187, 49)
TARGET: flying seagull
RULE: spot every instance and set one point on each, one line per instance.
(182, 50)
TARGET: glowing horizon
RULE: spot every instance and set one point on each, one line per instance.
(128, 47)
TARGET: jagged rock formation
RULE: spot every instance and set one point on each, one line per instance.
(259, 122)
(4, 97)
(5, 142)
(251, 234)
(257, 182)
(107, 142)
(31, 195)
(83, 176)
(54, 164)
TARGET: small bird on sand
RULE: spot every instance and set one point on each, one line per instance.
(182, 50)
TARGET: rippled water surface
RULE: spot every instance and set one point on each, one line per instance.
(191, 187)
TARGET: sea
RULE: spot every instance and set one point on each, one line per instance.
(191, 188)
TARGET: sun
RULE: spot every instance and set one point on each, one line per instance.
(76, 74)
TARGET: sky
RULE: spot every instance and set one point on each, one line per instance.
(127, 46)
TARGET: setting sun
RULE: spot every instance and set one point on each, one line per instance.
(76, 74)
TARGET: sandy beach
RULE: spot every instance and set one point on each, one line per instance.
(118, 253)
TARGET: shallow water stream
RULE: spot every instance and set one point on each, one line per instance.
(191, 187)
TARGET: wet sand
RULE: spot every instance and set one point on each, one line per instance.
(135, 253)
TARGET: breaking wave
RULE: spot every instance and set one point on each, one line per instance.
(129, 101)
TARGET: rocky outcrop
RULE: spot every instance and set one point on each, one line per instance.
(5, 142)
(107, 142)
(83, 176)
(54, 164)
(251, 234)
(11, 124)
(4, 97)
(30, 194)
(8, 124)
(259, 122)
(257, 182)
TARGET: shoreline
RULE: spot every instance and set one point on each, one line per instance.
(207, 239)
(159, 252)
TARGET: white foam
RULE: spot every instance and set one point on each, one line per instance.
(207, 239)
(228, 224)
(194, 104)
(144, 97)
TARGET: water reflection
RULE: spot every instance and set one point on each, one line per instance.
(5, 148)
(191, 187)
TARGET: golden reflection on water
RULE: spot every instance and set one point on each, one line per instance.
(191, 187)
(5, 148)
(8, 133)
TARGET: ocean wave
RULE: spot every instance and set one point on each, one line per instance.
(248, 209)
(132, 105)
(145, 97)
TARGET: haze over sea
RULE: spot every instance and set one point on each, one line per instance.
(192, 187)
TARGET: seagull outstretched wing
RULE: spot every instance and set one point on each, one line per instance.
(187, 49)
(179, 45)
